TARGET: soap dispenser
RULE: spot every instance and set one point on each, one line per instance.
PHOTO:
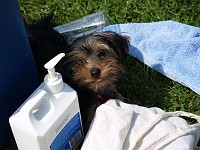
(53, 80)
(50, 118)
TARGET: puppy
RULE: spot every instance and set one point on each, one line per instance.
(93, 66)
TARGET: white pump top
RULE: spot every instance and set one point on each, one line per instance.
(53, 80)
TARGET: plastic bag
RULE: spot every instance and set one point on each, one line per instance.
(86, 25)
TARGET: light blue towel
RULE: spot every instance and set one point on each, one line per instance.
(169, 47)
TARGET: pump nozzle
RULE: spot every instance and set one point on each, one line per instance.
(53, 81)
(51, 64)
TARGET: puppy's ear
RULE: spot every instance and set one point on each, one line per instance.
(127, 38)
(121, 45)
(125, 43)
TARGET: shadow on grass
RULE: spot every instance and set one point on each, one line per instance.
(143, 84)
(152, 89)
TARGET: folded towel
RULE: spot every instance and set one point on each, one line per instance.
(169, 47)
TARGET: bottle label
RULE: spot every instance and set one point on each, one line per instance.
(70, 136)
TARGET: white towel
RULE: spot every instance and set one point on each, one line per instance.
(132, 127)
(109, 128)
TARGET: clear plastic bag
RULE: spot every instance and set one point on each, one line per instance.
(86, 25)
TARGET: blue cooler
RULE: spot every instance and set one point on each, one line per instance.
(18, 74)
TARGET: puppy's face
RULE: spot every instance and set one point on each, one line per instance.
(95, 61)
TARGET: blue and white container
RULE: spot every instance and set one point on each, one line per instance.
(50, 118)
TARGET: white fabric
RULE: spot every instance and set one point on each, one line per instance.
(132, 127)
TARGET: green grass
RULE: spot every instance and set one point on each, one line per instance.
(140, 82)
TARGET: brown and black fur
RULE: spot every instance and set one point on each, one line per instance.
(93, 66)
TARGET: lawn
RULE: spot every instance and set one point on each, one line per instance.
(140, 82)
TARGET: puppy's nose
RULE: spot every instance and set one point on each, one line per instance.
(95, 72)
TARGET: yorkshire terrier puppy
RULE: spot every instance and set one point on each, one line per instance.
(93, 66)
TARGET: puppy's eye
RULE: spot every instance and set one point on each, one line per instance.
(101, 55)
